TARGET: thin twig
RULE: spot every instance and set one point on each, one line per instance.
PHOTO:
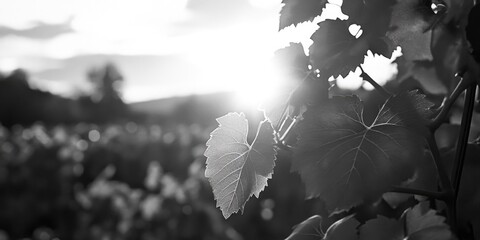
(435, 195)
(448, 103)
(377, 86)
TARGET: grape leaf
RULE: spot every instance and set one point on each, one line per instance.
(235, 169)
(298, 11)
(382, 228)
(449, 48)
(353, 9)
(422, 223)
(457, 11)
(424, 177)
(374, 18)
(436, 232)
(309, 229)
(343, 229)
(410, 24)
(334, 50)
(292, 60)
(422, 217)
(344, 160)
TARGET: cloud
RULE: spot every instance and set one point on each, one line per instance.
(40, 30)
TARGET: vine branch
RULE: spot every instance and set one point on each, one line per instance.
(463, 137)
(445, 182)
(448, 103)
(462, 145)
(380, 89)
(435, 195)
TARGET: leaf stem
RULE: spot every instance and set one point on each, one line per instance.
(377, 86)
(448, 103)
(435, 195)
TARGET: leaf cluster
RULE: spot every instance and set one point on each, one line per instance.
(352, 151)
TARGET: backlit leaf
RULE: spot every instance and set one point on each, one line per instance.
(343, 229)
(423, 223)
(345, 160)
(298, 11)
(235, 169)
(309, 229)
(422, 217)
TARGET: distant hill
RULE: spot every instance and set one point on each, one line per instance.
(203, 109)
(21, 104)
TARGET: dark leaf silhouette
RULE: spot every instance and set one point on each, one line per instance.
(335, 51)
(298, 11)
(410, 28)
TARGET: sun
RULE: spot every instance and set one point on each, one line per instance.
(239, 60)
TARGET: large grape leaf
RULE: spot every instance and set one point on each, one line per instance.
(297, 11)
(344, 160)
(335, 51)
(235, 169)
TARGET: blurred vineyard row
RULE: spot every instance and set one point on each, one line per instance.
(127, 182)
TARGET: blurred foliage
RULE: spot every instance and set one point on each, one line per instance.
(129, 181)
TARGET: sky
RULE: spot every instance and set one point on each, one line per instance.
(163, 48)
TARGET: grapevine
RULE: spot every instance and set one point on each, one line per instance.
(353, 158)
